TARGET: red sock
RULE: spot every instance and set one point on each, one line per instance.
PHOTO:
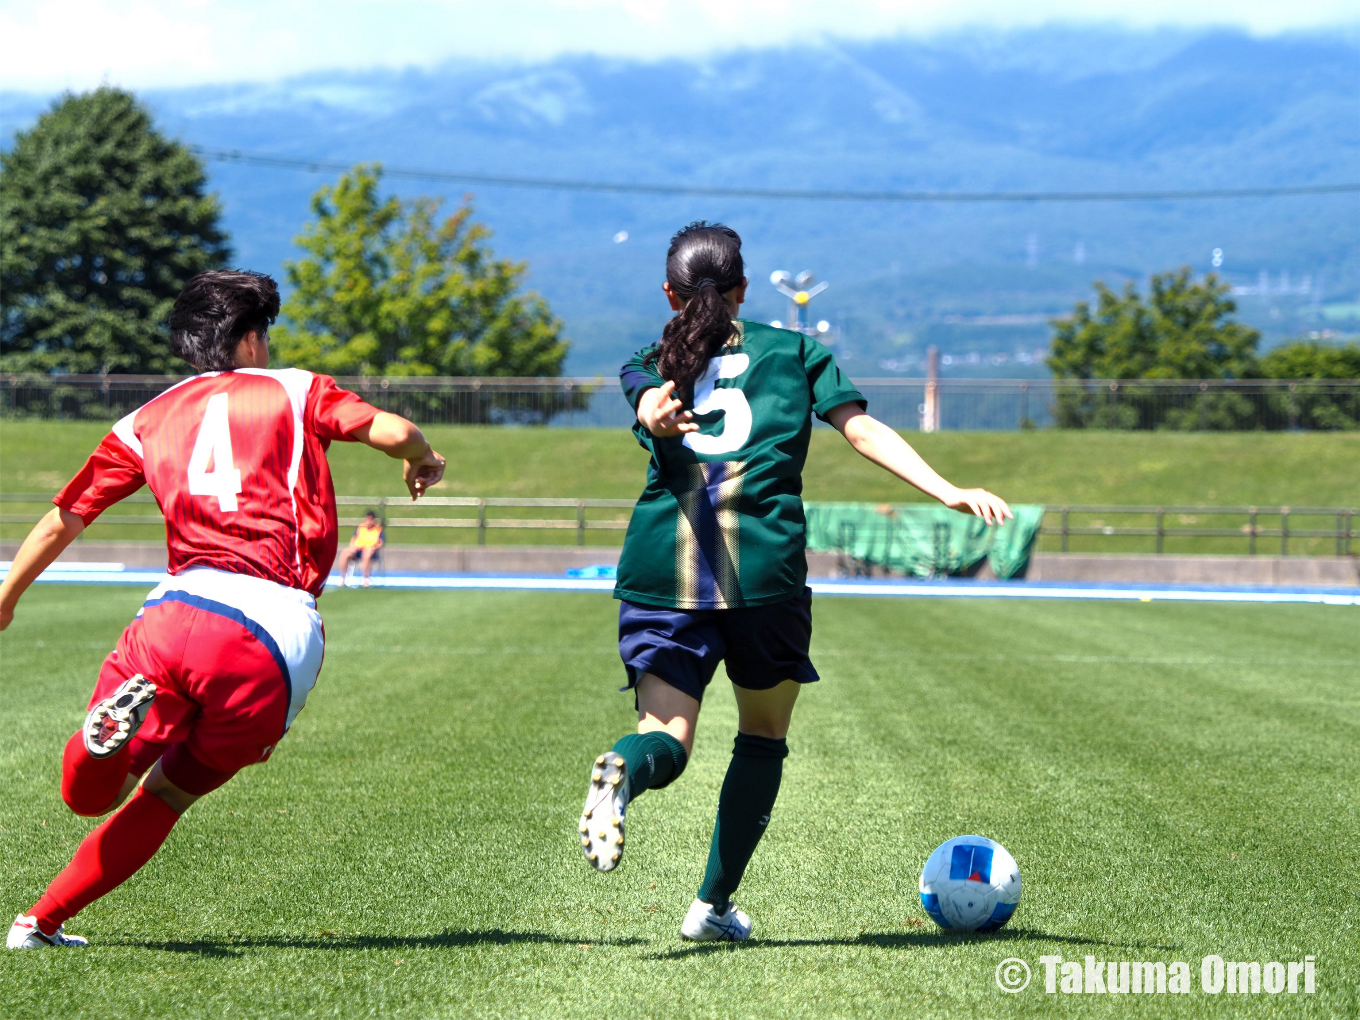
(90, 785)
(107, 858)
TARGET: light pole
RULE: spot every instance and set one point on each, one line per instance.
(800, 290)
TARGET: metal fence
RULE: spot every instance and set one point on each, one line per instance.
(1254, 530)
(963, 404)
(1244, 530)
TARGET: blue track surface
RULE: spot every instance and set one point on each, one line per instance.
(114, 573)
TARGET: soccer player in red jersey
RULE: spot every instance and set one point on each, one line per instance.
(219, 660)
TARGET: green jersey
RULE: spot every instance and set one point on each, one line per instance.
(720, 523)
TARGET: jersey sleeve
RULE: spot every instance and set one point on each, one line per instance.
(113, 472)
(639, 374)
(829, 385)
(333, 413)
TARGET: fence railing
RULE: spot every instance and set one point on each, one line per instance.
(1258, 527)
(961, 404)
(1244, 530)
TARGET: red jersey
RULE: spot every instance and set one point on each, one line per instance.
(237, 463)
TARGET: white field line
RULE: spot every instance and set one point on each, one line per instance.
(103, 573)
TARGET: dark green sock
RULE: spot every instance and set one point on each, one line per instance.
(744, 806)
(654, 759)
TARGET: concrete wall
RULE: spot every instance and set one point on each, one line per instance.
(1238, 570)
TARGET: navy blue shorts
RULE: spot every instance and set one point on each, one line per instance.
(763, 645)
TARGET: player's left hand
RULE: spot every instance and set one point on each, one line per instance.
(422, 472)
(981, 503)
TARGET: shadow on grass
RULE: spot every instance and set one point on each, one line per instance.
(898, 940)
(440, 940)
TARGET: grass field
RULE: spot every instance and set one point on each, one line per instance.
(1052, 467)
(1175, 780)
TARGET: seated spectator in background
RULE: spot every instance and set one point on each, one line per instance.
(367, 540)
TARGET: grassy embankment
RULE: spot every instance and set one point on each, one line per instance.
(1051, 467)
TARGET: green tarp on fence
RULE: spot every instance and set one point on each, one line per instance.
(923, 539)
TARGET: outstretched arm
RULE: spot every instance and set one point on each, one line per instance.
(876, 442)
(397, 437)
(48, 539)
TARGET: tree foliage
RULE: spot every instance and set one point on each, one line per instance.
(102, 222)
(1316, 406)
(1305, 359)
(385, 289)
(1181, 330)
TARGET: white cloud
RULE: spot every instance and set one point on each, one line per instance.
(50, 44)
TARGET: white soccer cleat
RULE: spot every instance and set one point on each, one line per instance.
(116, 719)
(703, 923)
(24, 933)
(601, 825)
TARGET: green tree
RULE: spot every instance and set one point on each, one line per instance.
(102, 222)
(1315, 405)
(1310, 359)
(385, 289)
(1181, 330)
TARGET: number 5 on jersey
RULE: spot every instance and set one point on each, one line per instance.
(212, 449)
(730, 400)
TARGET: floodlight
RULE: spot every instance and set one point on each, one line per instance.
(780, 276)
(777, 324)
(804, 279)
(823, 326)
(620, 237)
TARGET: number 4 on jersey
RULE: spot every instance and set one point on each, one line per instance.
(212, 449)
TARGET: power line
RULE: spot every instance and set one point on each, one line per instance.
(785, 194)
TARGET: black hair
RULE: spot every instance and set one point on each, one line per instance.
(702, 264)
(215, 310)
(370, 513)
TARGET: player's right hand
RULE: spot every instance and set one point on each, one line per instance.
(981, 503)
(662, 414)
(423, 472)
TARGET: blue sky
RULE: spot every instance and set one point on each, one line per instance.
(47, 45)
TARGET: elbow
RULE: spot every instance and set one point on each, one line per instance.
(857, 435)
(59, 524)
(388, 432)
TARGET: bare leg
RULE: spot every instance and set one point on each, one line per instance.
(766, 713)
(366, 562)
(651, 757)
(345, 558)
(663, 707)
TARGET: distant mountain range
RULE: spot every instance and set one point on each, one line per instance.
(1050, 109)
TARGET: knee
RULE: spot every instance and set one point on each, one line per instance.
(183, 773)
(83, 803)
(758, 745)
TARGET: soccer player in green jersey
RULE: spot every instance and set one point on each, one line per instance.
(713, 566)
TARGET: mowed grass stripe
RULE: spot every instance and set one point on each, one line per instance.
(1173, 779)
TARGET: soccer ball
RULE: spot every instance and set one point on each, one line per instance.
(970, 883)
